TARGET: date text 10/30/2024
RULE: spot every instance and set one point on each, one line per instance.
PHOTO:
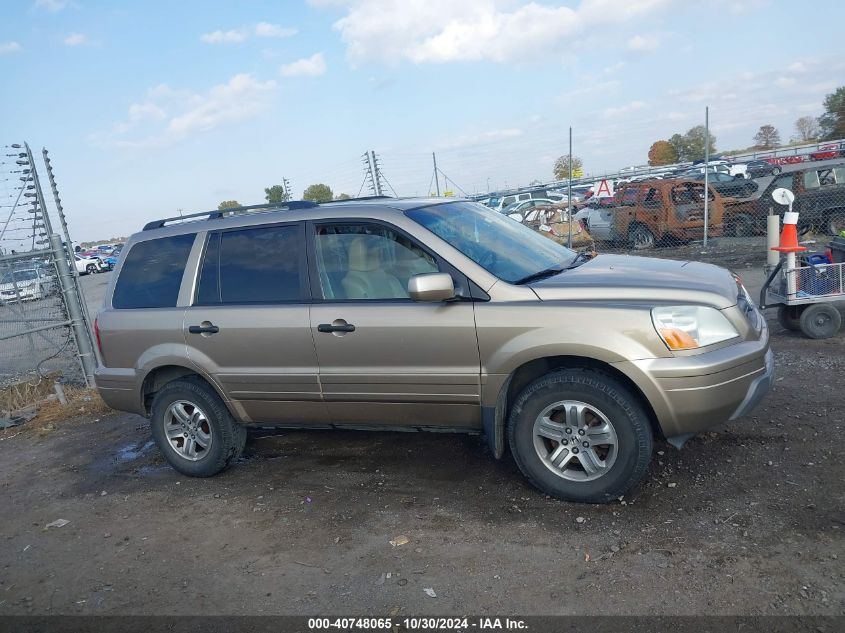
(417, 624)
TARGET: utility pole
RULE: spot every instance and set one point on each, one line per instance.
(376, 172)
(569, 196)
(287, 194)
(706, 171)
(436, 177)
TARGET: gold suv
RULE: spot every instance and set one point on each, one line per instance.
(423, 314)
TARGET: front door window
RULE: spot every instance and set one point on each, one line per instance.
(367, 261)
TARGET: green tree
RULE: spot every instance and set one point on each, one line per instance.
(318, 193)
(767, 137)
(832, 122)
(662, 153)
(343, 196)
(561, 167)
(694, 143)
(228, 204)
(276, 194)
(679, 144)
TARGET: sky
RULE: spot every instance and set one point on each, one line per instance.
(149, 107)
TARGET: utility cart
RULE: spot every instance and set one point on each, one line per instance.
(806, 296)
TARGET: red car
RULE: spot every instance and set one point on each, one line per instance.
(831, 150)
(784, 160)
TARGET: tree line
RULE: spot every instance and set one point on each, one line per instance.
(277, 194)
(808, 129)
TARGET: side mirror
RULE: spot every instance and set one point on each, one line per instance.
(431, 287)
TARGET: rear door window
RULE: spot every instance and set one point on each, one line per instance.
(152, 273)
(253, 265)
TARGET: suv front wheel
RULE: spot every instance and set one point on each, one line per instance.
(193, 428)
(580, 435)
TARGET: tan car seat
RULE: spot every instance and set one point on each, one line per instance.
(366, 279)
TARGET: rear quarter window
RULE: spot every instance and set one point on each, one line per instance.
(152, 273)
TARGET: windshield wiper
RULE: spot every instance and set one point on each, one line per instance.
(542, 274)
(580, 258)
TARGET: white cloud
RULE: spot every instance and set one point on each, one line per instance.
(643, 43)
(168, 115)
(234, 36)
(437, 31)
(265, 29)
(9, 47)
(624, 109)
(471, 140)
(75, 39)
(306, 67)
(784, 82)
(52, 6)
(797, 67)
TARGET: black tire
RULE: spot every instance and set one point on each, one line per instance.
(640, 238)
(228, 437)
(90, 269)
(789, 317)
(775, 171)
(820, 320)
(596, 389)
(836, 223)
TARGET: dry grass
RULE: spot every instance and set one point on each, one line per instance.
(51, 413)
(20, 394)
(80, 402)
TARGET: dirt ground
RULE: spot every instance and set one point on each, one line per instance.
(747, 519)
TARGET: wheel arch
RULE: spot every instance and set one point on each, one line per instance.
(157, 377)
(525, 374)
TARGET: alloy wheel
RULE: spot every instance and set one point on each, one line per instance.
(188, 430)
(575, 440)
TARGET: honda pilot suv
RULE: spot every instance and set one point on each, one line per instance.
(423, 314)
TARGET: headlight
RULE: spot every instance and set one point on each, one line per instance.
(690, 327)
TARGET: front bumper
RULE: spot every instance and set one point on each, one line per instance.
(692, 393)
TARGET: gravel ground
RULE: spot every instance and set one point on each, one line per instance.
(746, 519)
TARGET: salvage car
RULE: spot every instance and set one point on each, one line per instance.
(27, 284)
(645, 213)
(423, 314)
(819, 198)
(727, 185)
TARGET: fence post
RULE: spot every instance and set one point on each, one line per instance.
(78, 322)
(61, 212)
(706, 171)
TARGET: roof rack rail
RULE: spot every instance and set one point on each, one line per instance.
(362, 198)
(218, 214)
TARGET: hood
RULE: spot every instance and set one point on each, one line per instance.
(632, 278)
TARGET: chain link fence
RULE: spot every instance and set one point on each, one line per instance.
(44, 333)
(670, 216)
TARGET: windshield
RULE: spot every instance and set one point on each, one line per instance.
(19, 275)
(504, 248)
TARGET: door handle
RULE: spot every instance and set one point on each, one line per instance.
(328, 328)
(203, 329)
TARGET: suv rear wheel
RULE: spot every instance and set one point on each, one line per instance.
(193, 428)
(580, 435)
(640, 238)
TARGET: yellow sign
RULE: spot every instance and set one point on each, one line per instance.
(577, 173)
(448, 194)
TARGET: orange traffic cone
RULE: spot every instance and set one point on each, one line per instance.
(789, 235)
